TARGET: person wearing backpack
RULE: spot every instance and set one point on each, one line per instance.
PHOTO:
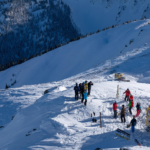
(76, 89)
(131, 103)
(115, 109)
(138, 107)
(89, 87)
(133, 124)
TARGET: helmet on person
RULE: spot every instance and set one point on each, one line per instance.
(134, 116)
(76, 84)
(127, 88)
(86, 81)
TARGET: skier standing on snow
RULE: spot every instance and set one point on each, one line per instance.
(82, 92)
(85, 97)
(115, 109)
(123, 110)
(89, 87)
(133, 123)
(138, 107)
(76, 89)
(127, 92)
(86, 86)
(131, 103)
(85, 92)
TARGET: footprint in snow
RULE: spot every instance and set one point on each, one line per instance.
(29, 133)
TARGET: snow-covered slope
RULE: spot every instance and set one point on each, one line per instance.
(81, 55)
(92, 15)
(55, 120)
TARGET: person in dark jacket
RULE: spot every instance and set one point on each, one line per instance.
(133, 124)
(115, 109)
(76, 89)
(80, 87)
(89, 87)
(123, 110)
(82, 92)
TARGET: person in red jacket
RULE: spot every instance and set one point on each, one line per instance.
(127, 92)
(131, 103)
(115, 109)
(131, 97)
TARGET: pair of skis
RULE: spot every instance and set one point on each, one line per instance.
(123, 134)
(126, 136)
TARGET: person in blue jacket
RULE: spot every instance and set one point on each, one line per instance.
(76, 89)
(85, 97)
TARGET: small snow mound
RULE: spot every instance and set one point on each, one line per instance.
(144, 80)
(62, 88)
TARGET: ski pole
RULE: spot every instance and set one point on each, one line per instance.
(91, 119)
(100, 121)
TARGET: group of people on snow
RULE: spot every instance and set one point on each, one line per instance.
(83, 90)
(129, 98)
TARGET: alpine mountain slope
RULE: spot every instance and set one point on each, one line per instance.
(92, 15)
(33, 120)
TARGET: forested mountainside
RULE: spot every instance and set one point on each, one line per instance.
(29, 27)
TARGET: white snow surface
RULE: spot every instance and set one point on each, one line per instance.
(103, 48)
(65, 124)
(61, 122)
(92, 15)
